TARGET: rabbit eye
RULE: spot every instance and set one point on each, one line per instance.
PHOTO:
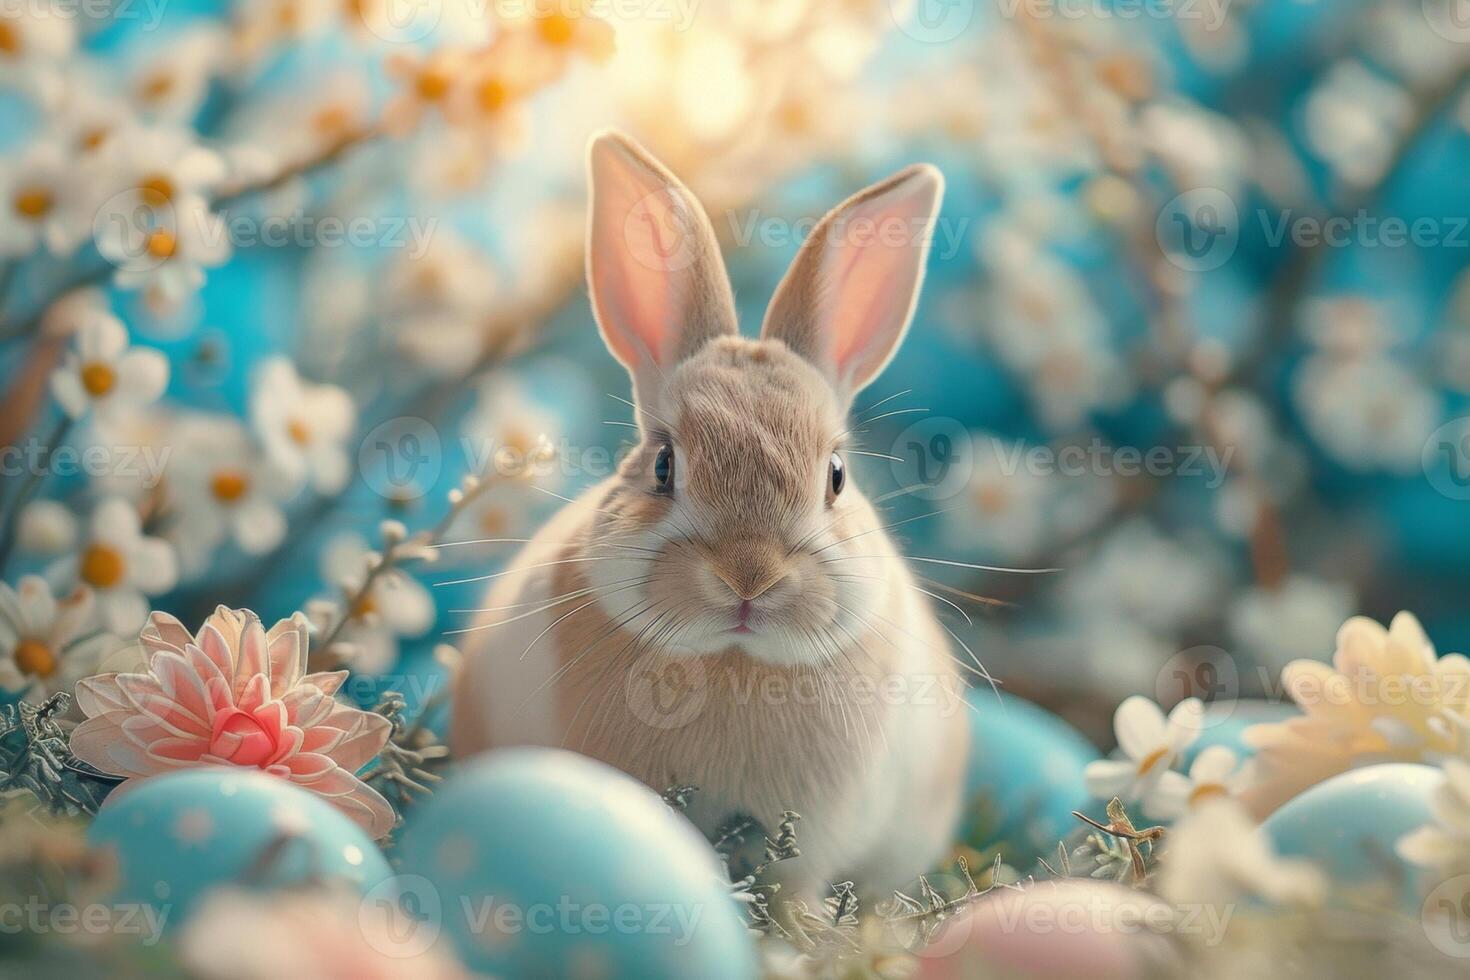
(663, 467)
(837, 474)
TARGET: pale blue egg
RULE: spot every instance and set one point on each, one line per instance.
(1349, 824)
(544, 863)
(1226, 723)
(1024, 776)
(177, 836)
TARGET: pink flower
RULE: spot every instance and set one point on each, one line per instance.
(234, 695)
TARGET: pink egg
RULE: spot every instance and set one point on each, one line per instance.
(1055, 930)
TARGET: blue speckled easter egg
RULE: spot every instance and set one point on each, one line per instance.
(1024, 776)
(1227, 721)
(1350, 823)
(177, 836)
(544, 863)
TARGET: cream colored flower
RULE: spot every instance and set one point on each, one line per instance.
(1444, 845)
(222, 488)
(46, 644)
(1215, 774)
(121, 564)
(303, 426)
(395, 607)
(41, 203)
(1150, 743)
(1385, 697)
(102, 373)
(1217, 856)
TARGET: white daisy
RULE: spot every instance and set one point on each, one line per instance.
(507, 434)
(89, 114)
(170, 79)
(165, 256)
(46, 527)
(46, 644)
(1217, 856)
(121, 564)
(34, 40)
(1216, 772)
(104, 374)
(1444, 845)
(395, 607)
(222, 488)
(1150, 745)
(303, 426)
(163, 165)
(41, 203)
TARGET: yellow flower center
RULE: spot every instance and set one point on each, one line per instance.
(9, 40)
(795, 117)
(93, 137)
(432, 83)
(102, 567)
(1205, 791)
(35, 658)
(157, 190)
(98, 378)
(33, 203)
(364, 607)
(299, 432)
(156, 87)
(332, 120)
(162, 244)
(1152, 759)
(229, 485)
(556, 30)
(493, 95)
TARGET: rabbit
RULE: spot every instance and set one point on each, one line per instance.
(727, 610)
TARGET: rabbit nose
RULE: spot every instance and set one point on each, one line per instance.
(750, 584)
(751, 569)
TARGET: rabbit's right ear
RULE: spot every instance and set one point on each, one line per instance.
(658, 285)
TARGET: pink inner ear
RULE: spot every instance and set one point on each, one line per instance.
(632, 292)
(870, 276)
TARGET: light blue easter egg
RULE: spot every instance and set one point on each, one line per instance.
(1023, 778)
(1226, 723)
(544, 863)
(177, 836)
(1349, 824)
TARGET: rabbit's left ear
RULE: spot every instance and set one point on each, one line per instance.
(848, 298)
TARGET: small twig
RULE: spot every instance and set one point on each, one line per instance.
(1121, 827)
